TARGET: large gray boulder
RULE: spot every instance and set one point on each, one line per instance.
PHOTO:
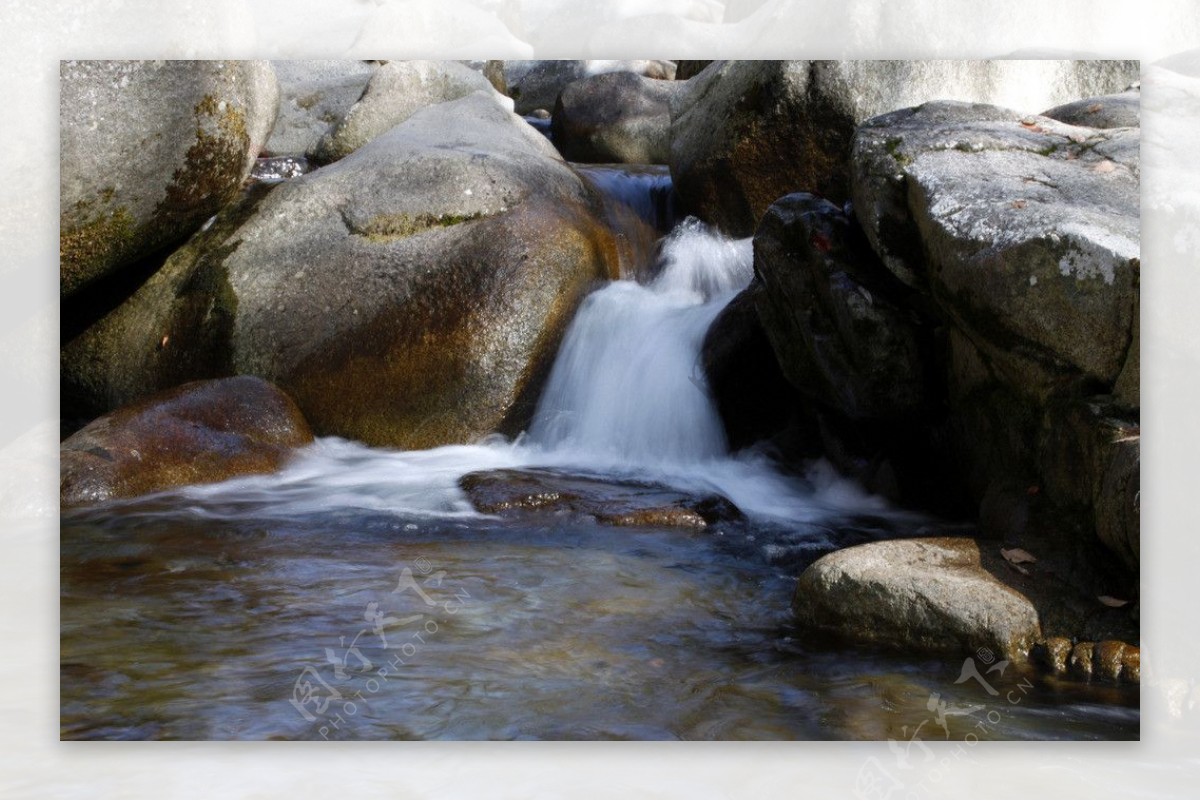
(1026, 231)
(936, 594)
(412, 294)
(744, 133)
(313, 97)
(397, 91)
(198, 433)
(615, 117)
(537, 84)
(149, 150)
(827, 308)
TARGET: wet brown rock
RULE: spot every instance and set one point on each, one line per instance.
(201, 432)
(1080, 663)
(1058, 653)
(536, 493)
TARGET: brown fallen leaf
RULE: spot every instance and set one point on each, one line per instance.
(1104, 166)
(1092, 109)
(1108, 600)
(1019, 204)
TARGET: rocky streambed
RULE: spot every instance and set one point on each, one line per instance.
(825, 426)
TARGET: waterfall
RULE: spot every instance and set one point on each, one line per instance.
(627, 388)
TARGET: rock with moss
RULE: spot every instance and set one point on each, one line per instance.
(314, 96)
(397, 91)
(412, 294)
(744, 133)
(197, 433)
(1025, 230)
(149, 151)
(936, 594)
(616, 117)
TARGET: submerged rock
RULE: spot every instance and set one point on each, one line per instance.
(149, 151)
(616, 117)
(534, 493)
(929, 594)
(397, 91)
(198, 433)
(744, 133)
(412, 294)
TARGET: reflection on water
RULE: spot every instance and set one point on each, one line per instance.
(194, 624)
(356, 594)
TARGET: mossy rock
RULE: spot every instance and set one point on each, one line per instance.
(149, 151)
(412, 294)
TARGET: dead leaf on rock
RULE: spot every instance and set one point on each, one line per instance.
(1019, 204)
(1104, 166)
(1108, 600)
(1092, 109)
(1017, 556)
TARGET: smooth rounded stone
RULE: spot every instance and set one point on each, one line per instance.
(1110, 111)
(744, 133)
(537, 84)
(149, 150)
(397, 91)
(412, 294)
(197, 433)
(930, 594)
(826, 306)
(535, 493)
(616, 117)
(1030, 228)
(313, 97)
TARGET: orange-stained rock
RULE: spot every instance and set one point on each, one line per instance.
(197, 433)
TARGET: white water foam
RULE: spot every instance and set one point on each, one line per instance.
(626, 398)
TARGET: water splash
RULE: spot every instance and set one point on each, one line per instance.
(627, 389)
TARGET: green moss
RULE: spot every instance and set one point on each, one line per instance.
(893, 148)
(390, 227)
(85, 252)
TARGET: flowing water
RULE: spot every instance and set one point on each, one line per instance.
(358, 595)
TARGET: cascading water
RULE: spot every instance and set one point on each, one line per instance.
(196, 613)
(627, 389)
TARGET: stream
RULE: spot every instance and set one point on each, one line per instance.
(357, 594)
